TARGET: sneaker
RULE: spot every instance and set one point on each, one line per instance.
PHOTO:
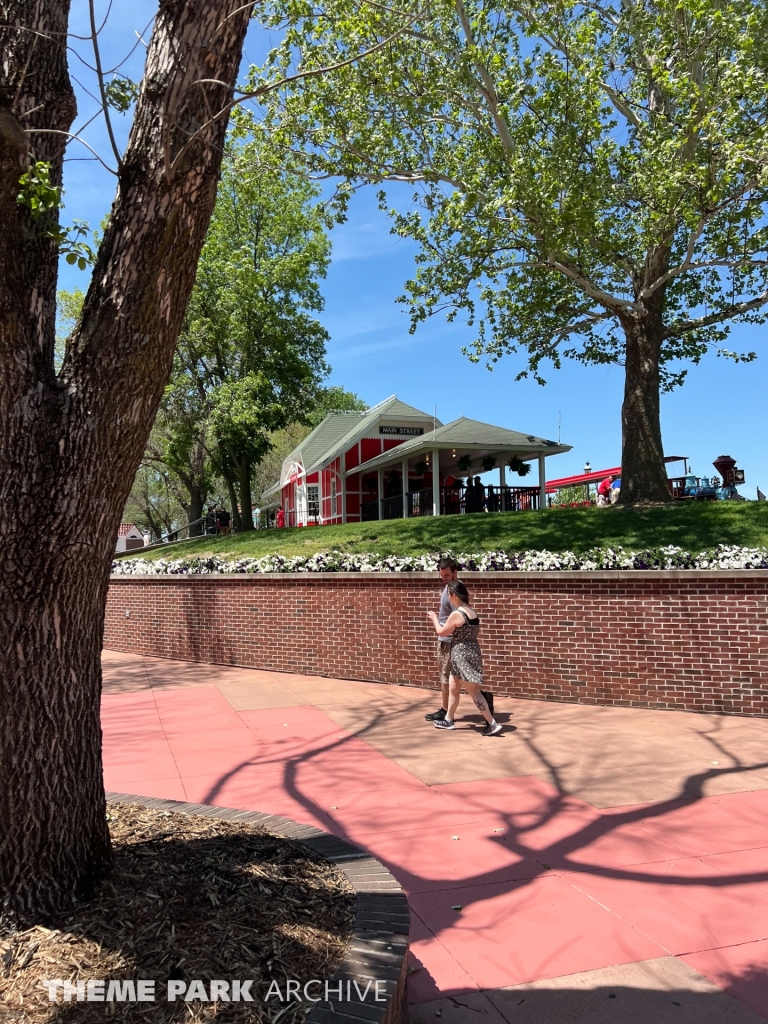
(491, 730)
(444, 723)
(436, 716)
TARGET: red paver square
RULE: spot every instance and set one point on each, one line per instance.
(436, 973)
(514, 932)
(738, 821)
(535, 818)
(133, 764)
(685, 905)
(426, 860)
(257, 789)
(741, 970)
(598, 843)
(394, 809)
(330, 775)
(742, 866)
(221, 759)
(115, 703)
(133, 744)
(195, 709)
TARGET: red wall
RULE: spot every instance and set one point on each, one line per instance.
(696, 641)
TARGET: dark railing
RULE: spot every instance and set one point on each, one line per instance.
(392, 508)
(420, 503)
(513, 499)
(369, 511)
(458, 500)
(454, 501)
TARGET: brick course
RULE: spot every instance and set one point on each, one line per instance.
(687, 640)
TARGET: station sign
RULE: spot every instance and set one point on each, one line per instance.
(402, 431)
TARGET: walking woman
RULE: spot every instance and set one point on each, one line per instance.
(463, 625)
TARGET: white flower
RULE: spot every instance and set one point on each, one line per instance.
(667, 557)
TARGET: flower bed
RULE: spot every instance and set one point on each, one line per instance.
(670, 557)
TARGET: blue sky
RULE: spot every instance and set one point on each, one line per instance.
(720, 410)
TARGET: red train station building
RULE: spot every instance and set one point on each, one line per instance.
(394, 461)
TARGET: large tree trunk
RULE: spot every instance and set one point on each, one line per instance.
(643, 473)
(71, 444)
(197, 499)
(237, 522)
(244, 476)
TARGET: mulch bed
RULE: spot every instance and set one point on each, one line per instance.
(189, 898)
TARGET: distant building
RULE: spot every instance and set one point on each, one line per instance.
(383, 463)
(129, 537)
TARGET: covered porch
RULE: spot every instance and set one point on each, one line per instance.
(432, 475)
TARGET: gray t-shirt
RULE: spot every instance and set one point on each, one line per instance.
(445, 610)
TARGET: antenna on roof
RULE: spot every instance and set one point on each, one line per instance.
(559, 417)
(434, 420)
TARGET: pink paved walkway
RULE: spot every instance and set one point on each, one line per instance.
(591, 864)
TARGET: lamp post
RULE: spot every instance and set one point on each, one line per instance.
(587, 469)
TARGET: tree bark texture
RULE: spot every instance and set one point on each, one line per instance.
(643, 472)
(70, 444)
(246, 515)
(197, 500)
(237, 522)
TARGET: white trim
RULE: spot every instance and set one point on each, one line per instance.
(378, 405)
(435, 481)
(542, 483)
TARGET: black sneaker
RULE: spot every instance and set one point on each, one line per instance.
(436, 716)
(491, 730)
(445, 723)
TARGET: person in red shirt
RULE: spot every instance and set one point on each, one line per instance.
(280, 519)
(604, 491)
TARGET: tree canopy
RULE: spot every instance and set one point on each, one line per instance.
(251, 354)
(588, 179)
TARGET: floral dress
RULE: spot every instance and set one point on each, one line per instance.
(466, 657)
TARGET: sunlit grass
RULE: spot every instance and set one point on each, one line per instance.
(692, 526)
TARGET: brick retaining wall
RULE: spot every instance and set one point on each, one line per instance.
(690, 640)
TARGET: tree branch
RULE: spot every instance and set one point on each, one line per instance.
(102, 89)
(288, 80)
(734, 310)
(687, 262)
(621, 106)
(489, 90)
(611, 302)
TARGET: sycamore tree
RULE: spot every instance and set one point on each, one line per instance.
(250, 356)
(588, 178)
(72, 435)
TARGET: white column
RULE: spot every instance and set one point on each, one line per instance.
(343, 495)
(542, 482)
(435, 481)
(380, 494)
(405, 488)
(502, 475)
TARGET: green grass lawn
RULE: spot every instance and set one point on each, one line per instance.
(692, 526)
